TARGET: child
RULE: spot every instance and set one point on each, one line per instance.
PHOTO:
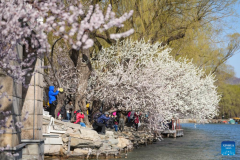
(115, 123)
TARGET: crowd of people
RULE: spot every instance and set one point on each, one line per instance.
(66, 113)
(115, 121)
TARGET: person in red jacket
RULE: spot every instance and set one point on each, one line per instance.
(79, 116)
(136, 119)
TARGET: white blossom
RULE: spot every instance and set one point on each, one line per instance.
(22, 23)
(144, 77)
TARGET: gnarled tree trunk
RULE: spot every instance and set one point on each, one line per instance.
(60, 103)
(84, 66)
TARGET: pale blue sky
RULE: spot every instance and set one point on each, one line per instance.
(235, 27)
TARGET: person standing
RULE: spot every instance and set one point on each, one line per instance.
(129, 114)
(132, 118)
(52, 100)
(132, 115)
(136, 120)
(116, 123)
(121, 122)
(69, 108)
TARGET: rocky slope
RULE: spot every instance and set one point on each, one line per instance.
(80, 142)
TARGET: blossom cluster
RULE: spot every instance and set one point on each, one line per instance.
(66, 72)
(144, 77)
(25, 24)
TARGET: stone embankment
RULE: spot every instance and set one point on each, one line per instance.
(65, 139)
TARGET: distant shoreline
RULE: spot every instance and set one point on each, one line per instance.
(205, 121)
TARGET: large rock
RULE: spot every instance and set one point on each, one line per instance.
(86, 134)
(123, 142)
(80, 151)
(113, 141)
(109, 133)
(85, 143)
(65, 139)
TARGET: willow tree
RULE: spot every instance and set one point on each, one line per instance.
(190, 28)
(230, 104)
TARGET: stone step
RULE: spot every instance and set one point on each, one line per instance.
(52, 141)
(51, 135)
(45, 113)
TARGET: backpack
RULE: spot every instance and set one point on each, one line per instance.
(96, 116)
(110, 122)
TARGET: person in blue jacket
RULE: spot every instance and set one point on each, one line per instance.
(52, 100)
(101, 121)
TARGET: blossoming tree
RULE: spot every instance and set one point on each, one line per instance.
(21, 23)
(144, 77)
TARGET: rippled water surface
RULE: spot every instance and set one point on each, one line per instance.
(200, 143)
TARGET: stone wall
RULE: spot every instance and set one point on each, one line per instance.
(33, 103)
(21, 100)
(12, 103)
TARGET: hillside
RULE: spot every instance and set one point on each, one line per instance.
(233, 81)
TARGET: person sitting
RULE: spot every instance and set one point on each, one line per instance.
(79, 117)
(100, 122)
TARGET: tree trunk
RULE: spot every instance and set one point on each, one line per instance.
(84, 110)
(76, 104)
(95, 107)
(60, 103)
(84, 67)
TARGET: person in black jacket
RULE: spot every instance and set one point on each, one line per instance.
(63, 112)
(110, 122)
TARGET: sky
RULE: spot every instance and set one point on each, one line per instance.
(235, 27)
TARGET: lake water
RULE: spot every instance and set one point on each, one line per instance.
(200, 143)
